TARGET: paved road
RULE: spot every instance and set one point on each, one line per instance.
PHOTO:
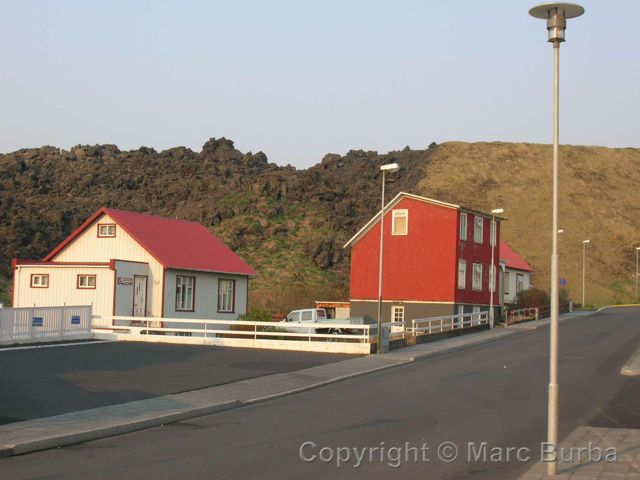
(42, 382)
(494, 393)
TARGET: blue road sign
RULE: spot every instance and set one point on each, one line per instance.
(563, 282)
(75, 320)
(37, 321)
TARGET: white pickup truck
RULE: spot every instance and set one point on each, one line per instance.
(298, 321)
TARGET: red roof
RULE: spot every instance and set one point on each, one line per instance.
(513, 260)
(174, 243)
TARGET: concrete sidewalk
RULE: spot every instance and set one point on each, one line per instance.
(39, 434)
(584, 456)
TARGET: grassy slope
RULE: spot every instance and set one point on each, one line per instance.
(599, 200)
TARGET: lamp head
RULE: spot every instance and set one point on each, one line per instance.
(586, 241)
(556, 15)
(560, 230)
(390, 167)
(497, 211)
(637, 248)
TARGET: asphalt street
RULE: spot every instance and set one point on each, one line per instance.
(494, 393)
(42, 382)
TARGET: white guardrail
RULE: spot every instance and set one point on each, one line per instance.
(44, 324)
(239, 333)
(428, 326)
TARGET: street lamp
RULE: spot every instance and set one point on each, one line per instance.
(584, 268)
(556, 15)
(493, 236)
(637, 273)
(390, 167)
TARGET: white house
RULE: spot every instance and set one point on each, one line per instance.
(133, 264)
(516, 276)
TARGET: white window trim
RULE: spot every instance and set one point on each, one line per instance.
(519, 276)
(399, 213)
(474, 285)
(39, 284)
(222, 296)
(394, 309)
(87, 286)
(476, 229)
(106, 226)
(463, 231)
(179, 306)
(462, 284)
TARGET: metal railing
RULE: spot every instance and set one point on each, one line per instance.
(44, 324)
(521, 315)
(446, 323)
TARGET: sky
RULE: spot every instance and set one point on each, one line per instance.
(299, 79)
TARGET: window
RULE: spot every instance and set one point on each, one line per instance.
(185, 293)
(86, 281)
(506, 280)
(460, 310)
(321, 313)
(493, 233)
(519, 283)
(397, 313)
(462, 274)
(400, 222)
(477, 277)
(226, 295)
(106, 229)
(492, 278)
(293, 317)
(476, 310)
(463, 226)
(307, 316)
(39, 281)
(478, 229)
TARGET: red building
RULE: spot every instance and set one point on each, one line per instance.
(436, 260)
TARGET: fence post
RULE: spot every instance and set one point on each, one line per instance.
(255, 330)
(537, 310)
(206, 322)
(62, 312)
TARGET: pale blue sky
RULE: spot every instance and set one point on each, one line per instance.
(298, 79)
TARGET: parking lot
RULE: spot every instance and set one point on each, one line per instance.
(41, 382)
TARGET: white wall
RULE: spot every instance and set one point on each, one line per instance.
(511, 296)
(206, 295)
(88, 247)
(63, 287)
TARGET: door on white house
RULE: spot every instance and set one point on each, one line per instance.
(397, 317)
(139, 296)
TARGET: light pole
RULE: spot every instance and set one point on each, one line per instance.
(391, 167)
(555, 14)
(637, 273)
(493, 237)
(584, 267)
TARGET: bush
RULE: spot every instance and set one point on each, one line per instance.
(533, 297)
(256, 314)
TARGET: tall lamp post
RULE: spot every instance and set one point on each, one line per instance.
(493, 237)
(391, 167)
(584, 268)
(556, 15)
(637, 273)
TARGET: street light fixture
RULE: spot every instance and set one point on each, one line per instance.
(493, 234)
(556, 15)
(584, 268)
(391, 167)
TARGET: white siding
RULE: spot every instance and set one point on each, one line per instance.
(62, 287)
(511, 296)
(88, 247)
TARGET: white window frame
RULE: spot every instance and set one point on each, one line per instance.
(185, 293)
(397, 313)
(226, 297)
(460, 310)
(39, 283)
(478, 229)
(463, 226)
(506, 280)
(477, 275)
(106, 230)
(87, 284)
(462, 274)
(492, 278)
(399, 214)
(519, 283)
